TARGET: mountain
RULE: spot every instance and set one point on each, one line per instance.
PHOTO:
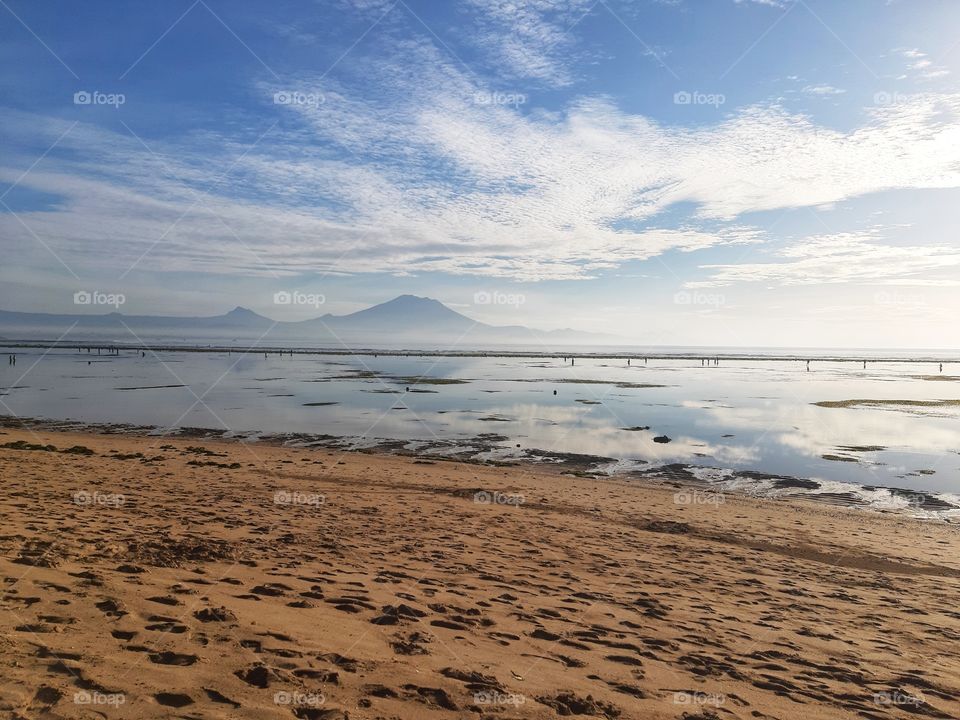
(236, 318)
(404, 314)
(242, 317)
(405, 321)
(407, 309)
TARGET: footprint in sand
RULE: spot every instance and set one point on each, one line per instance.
(259, 675)
(176, 700)
(220, 614)
(111, 608)
(434, 697)
(219, 697)
(380, 691)
(164, 600)
(171, 658)
(45, 698)
(165, 625)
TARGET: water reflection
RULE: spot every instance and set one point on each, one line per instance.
(741, 415)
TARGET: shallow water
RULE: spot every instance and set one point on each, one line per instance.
(740, 415)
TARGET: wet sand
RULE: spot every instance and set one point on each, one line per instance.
(185, 577)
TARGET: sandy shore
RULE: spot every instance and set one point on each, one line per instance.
(157, 577)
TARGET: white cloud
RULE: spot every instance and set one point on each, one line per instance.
(822, 90)
(846, 258)
(530, 39)
(105, 226)
(416, 176)
(768, 3)
(922, 66)
(373, 8)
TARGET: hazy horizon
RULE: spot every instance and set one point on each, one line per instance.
(393, 333)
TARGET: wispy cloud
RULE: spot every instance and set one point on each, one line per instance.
(768, 3)
(822, 90)
(530, 39)
(423, 176)
(922, 66)
(846, 258)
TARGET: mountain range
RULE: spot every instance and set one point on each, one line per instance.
(406, 320)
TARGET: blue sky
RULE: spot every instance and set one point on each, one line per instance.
(736, 172)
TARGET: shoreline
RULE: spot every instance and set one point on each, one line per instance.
(724, 354)
(225, 579)
(482, 451)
